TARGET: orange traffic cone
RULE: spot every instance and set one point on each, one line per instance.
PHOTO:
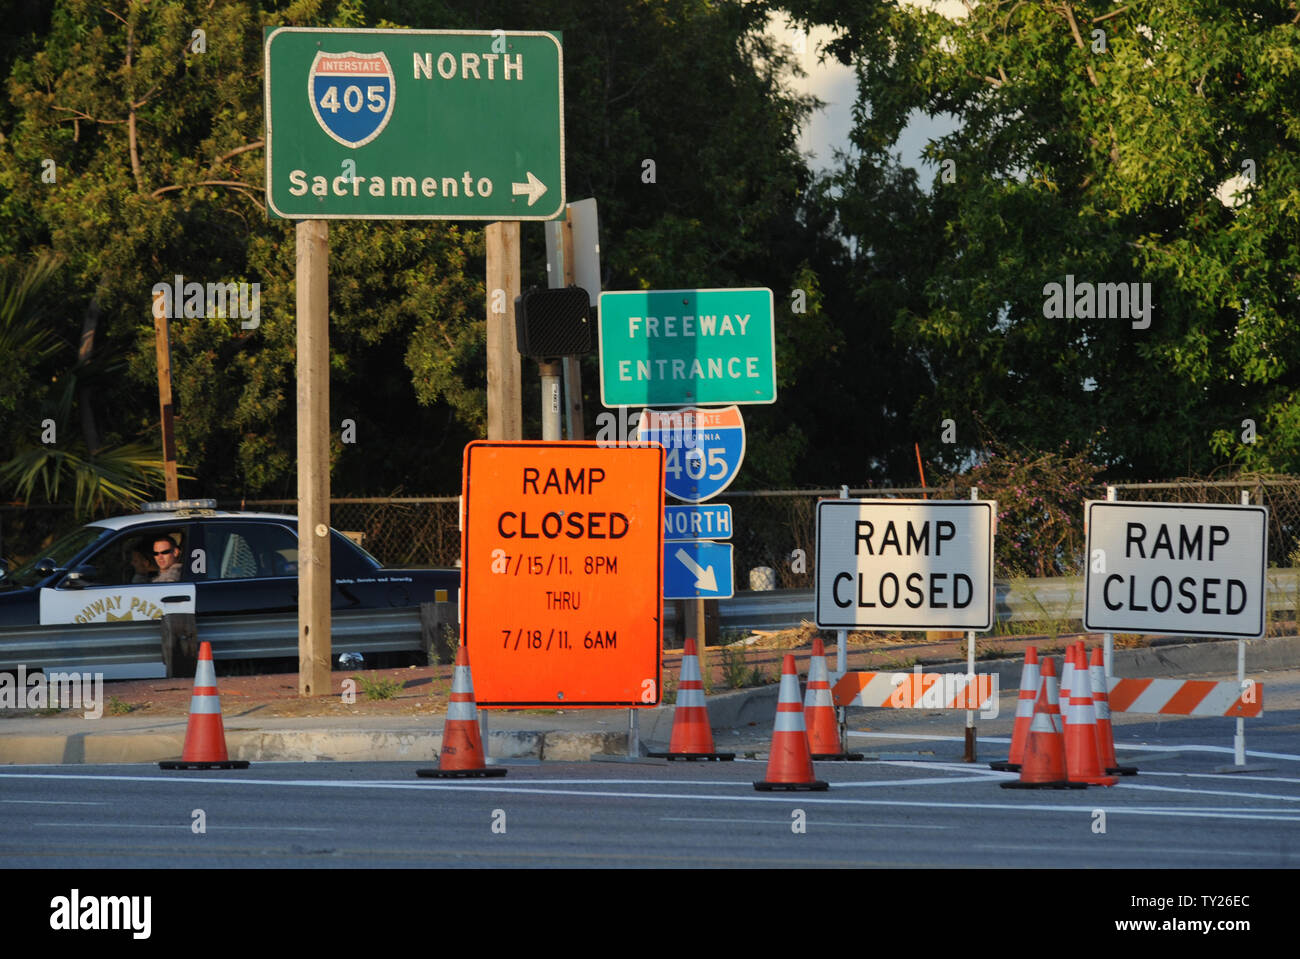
(1067, 717)
(1101, 703)
(1082, 752)
(462, 748)
(205, 736)
(1043, 764)
(692, 739)
(1024, 712)
(819, 711)
(789, 764)
(1067, 676)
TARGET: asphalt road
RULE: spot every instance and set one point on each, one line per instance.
(895, 813)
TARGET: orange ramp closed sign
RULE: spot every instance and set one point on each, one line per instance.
(561, 560)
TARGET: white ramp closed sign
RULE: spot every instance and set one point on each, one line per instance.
(1177, 568)
(905, 564)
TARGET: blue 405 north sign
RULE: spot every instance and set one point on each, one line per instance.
(703, 449)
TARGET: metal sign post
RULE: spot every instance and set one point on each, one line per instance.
(970, 671)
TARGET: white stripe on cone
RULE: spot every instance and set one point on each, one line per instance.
(465, 711)
(789, 722)
(204, 705)
(460, 681)
(205, 674)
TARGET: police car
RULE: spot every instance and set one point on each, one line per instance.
(186, 556)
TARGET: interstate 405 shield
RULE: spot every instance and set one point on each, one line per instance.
(704, 449)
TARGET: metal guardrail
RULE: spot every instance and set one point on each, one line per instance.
(112, 645)
(120, 649)
(276, 636)
(1019, 601)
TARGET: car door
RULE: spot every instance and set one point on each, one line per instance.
(112, 585)
(250, 566)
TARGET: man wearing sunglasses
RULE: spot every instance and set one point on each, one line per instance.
(168, 557)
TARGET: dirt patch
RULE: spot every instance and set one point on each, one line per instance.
(423, 691)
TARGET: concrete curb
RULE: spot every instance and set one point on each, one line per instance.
(729, 710)
(306, 745)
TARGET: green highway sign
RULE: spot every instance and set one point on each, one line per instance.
(414, 124)
(687, 347)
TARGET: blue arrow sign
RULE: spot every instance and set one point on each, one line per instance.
(699, 569)
(700, 521)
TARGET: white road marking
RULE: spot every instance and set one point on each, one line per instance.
(819, 823)
(1208, 792)
(1192, 748)
(544, 788)
(51, 802)
(1226, 777)
(936, 781)
(185, 826)
(1289, 757)
(1143, 849)
(1005, 740)
(983, 776)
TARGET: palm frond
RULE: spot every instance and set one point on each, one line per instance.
(22, 328)
(116, 476)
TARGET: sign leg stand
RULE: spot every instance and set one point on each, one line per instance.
(842, 667)
(969, 756)
(1239, 740)
(970, 674)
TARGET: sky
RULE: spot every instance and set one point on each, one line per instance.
(835, 85)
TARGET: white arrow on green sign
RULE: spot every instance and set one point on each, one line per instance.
(687, 347)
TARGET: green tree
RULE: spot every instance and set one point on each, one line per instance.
(155, 132)
(1094, 142)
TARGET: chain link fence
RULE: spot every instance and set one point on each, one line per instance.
(406, 531)
(773, 530)
(777, 530)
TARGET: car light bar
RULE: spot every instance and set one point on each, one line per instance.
(172, 505)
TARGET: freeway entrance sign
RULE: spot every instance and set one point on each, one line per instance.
(414, 124)
(683, 347)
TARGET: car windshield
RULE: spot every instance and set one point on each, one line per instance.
(61, 552)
